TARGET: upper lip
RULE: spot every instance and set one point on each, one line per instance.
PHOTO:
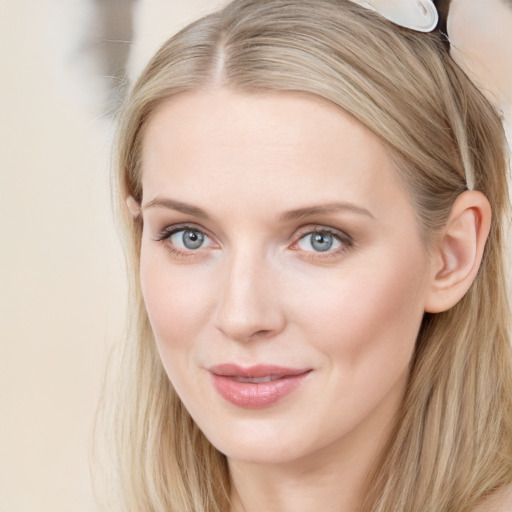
(255, 371)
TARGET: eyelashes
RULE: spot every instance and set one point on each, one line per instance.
(322, 242)
(184, 241)
(185, 237)
(316, 242)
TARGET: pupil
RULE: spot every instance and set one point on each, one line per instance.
(321, 242)
(192, 239)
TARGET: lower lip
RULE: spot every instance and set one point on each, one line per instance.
(251, 395)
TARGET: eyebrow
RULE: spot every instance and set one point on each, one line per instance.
(172, 204)
(310, 211)
(291, 215)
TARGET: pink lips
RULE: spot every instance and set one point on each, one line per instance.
(258, 386)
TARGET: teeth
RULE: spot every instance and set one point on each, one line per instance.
(257, 380)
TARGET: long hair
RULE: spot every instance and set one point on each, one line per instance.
(452, 445)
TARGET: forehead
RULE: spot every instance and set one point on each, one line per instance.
(284, 147)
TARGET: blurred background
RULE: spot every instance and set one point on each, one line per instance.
(62, 73)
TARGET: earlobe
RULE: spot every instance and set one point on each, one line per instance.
(133, 206)
(459, 252)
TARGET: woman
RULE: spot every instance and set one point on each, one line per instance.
(315, 199)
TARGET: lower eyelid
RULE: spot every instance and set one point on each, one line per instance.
(177, 249)
(344, 240)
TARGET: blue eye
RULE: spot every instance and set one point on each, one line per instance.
(319, 241)
(189, 239)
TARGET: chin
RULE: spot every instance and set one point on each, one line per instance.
(258, 445)
(261, 453)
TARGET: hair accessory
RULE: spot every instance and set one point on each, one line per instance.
(420, 15)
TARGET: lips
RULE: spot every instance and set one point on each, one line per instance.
(256, 387)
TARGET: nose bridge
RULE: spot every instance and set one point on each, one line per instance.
(247, 305)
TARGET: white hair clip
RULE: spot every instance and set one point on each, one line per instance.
(420, 15)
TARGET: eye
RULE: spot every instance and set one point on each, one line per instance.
(190, 239)
(319, 241)
(183, 240)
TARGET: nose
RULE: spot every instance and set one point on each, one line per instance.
(249, 306)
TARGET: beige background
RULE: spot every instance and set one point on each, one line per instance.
(61, 273)
(61, 278)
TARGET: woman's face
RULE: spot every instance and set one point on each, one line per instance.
(282, 270)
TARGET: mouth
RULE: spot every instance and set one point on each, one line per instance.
(256, 387)
(256, 380)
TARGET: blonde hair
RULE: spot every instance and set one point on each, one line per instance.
(452, 445)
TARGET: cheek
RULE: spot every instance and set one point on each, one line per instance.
(365, 324)
(177, 300)
(369, 313)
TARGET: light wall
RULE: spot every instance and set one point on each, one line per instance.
(61, 272)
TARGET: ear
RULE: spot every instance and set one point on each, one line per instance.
(133, 206)
(457, 255)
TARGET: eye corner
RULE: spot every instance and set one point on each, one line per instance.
(339, 243)
(173, 239)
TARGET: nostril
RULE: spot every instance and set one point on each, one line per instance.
(242, 331)
(249, 323)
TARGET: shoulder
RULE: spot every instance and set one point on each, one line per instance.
(500, 501)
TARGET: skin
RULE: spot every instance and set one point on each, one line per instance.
(257, 292)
